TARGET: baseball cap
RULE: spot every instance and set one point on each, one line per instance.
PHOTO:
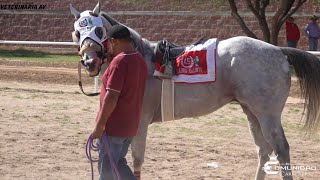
(118, 32)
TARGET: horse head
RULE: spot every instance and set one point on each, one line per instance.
(90, 32)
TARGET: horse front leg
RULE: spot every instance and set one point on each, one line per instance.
(138, 147)
(150, 112)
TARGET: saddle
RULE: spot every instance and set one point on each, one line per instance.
(166, 52)
(175, 50)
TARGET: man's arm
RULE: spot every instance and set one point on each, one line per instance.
(109, 103)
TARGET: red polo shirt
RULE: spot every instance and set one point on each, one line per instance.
(126, 74)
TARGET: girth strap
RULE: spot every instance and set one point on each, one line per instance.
(167, 100)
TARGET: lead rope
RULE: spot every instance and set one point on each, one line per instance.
(90, 146)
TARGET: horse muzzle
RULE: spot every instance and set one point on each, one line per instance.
(92, 63)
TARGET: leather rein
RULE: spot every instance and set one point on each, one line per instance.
(80, 82)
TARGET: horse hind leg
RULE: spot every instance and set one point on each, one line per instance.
(263, 147)
(273, 132)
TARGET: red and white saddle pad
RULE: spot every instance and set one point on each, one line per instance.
(197, 64)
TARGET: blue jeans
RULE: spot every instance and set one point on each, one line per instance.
(119, 149)
(292, 43)
(313, 44)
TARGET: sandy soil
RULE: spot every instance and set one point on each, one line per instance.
(45, 121)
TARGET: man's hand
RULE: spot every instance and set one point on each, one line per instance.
(97, 132)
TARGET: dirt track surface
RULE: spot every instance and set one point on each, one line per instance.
(44, 123)
(38, 72)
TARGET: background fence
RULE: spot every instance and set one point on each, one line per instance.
(181, 21)
(96, 79)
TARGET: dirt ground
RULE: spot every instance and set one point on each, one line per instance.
(45, 121)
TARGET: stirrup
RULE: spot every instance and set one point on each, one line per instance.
(161, 75)
(168, 72)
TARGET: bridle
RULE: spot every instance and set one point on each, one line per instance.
(101, 57)
(82, 62)
(89, 26)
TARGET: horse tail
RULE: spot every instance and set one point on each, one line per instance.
(307, 68)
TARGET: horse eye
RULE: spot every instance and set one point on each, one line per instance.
(99, 32)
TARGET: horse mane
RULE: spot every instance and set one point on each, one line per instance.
(109, 19)
(136, 37)
(115, 22)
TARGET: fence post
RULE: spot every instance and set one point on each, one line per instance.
(96, 83)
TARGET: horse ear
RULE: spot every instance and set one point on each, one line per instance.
(75, 13)
(96, 10)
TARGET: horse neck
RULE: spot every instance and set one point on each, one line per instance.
(140, 43)
(109, 21)
(144, 47)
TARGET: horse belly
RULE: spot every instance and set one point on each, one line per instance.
(198, 100)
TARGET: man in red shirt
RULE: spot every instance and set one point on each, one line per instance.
(121, 98)
(293, 33)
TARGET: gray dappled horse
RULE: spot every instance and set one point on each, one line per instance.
(253, 73)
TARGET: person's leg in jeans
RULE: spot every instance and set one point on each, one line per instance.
(310, 44)
(295, 44)
(118, 148)
(124, 170)
(313, 43)
(292, 44)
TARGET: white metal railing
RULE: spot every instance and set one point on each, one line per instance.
(317, 53)
(38, 43)
(96, 80)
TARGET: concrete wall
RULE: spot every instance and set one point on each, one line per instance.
(55, 23)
